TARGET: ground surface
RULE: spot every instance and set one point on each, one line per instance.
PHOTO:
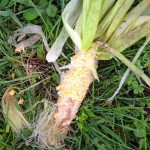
(124, 125)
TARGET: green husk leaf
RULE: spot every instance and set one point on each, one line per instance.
(146, 12)
(78, 28)
(104, 24)
(91, 11)
(56, 48)
(141, 20)
(130, 19)
(72, 5)
(106, 6)
(118, 18)
(126, 40)
(132, 36)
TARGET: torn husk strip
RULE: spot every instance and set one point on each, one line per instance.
(37, 30)
(14, 117)
(128, 70)
(20, 34)
(136, 70)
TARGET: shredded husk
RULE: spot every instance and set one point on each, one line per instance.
(14, 117)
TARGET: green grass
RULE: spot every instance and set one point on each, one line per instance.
(124, 125)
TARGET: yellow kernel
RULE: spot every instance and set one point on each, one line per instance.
(12, 92)
(20, 102)
(12, 75)
(56, 116)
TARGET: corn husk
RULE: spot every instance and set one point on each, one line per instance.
(12, 115)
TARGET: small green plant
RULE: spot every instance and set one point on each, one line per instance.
(45, 8)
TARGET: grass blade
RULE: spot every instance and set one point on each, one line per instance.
(13, 16)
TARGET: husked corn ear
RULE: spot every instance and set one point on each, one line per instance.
(73, 88)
